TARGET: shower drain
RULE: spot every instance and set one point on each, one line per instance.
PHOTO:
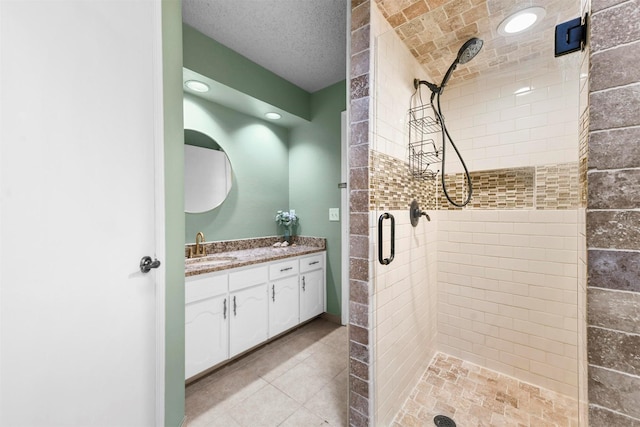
(443, 421)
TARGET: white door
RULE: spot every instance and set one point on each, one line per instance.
(81, 126)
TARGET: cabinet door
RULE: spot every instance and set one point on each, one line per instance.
(311, 294)
(283, 305)
(248, 319)
(206, 334)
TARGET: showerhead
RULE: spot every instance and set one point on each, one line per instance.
(466, 53)
(469, 50)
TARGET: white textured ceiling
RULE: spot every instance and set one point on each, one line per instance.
(302, 41)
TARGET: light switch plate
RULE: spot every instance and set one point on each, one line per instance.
(334, 214)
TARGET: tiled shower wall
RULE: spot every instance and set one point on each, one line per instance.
(507, 292)
(613, 234)
(508, 263)
(404, 292)
(496, 127)
(405, 296)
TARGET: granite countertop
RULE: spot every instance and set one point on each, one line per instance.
(240, 253)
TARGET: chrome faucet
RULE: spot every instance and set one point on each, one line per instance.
(200, 248)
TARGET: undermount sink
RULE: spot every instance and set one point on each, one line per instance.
(209, 260)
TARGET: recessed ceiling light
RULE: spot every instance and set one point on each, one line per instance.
(197, 86)
(273, 116)
(521, 20)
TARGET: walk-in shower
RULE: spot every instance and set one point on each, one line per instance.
(477, 317)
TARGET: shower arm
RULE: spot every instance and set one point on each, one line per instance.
(435, 89)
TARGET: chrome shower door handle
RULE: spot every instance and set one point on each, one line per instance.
(381, 258)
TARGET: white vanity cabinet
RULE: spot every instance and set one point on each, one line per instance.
(248, 325)
(283, 296)
(206, 322)
(312, 286)
(230, 311)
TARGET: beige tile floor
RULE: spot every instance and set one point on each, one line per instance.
(298, 380)
(475, 396)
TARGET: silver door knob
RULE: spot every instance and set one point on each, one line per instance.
(146, 264)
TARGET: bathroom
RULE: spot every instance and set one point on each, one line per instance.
(502, 283)
(38, 390)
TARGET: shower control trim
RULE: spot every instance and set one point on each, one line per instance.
(415, 213)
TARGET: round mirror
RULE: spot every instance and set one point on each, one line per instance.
(207, 173)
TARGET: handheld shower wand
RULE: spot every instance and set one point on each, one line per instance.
(466, 53)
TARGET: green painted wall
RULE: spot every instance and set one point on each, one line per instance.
(259, 155)
(314, 174)
(174, 212)
(216, 61)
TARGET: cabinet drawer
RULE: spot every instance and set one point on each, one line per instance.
(249, 277)
(204, 286)
(283, 269)
(313, 262)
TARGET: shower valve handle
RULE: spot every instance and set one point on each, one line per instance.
(415, 213)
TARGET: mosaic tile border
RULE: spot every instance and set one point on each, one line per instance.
(393, 188)
(557, 186)
(547, 187)
(492, 189)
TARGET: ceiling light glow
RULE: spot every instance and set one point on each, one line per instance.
(521, 21)
(197, 86)
(273, 116)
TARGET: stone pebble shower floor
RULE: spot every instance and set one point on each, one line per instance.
(474, 396)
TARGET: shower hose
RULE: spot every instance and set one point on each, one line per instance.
(445, 135)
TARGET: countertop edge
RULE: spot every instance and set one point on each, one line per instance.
(243, 263)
